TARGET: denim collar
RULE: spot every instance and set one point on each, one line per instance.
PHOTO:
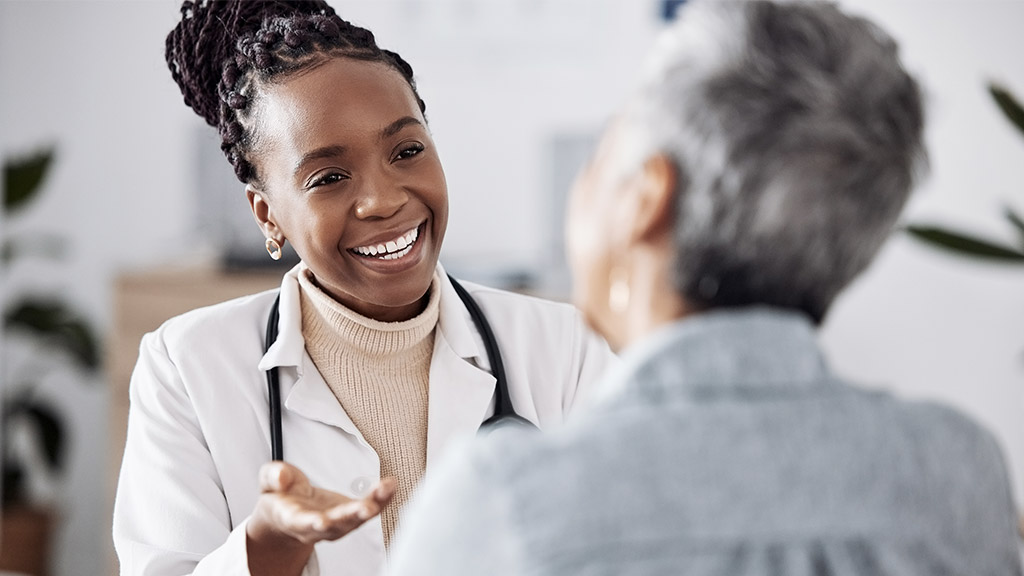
(754, 350)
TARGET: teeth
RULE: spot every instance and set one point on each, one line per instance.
(393, 249)
(397, 255)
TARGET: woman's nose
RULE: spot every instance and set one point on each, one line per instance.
(380, 200)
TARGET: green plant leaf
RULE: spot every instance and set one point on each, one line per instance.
(13, 483)
(965, 245)
(1008, 104)
(23, 178)
(48, 246)
(58, 326)
(1016, 220)
(47, 423)
(51, 432)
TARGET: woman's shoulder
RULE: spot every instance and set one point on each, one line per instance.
(519, 302)
(950, 432)
(927, 420)
(957, 457)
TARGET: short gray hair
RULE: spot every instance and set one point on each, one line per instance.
(796, 134)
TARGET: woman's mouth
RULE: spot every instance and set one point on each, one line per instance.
(392, 249)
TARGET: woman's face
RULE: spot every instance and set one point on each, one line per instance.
(352, 179)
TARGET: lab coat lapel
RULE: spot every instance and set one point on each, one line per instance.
(311, 397)
(302, 387)
(460, 392)
(461, 388)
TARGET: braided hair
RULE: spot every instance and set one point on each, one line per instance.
(223, 51)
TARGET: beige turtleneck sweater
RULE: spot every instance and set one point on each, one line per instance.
(379, 372)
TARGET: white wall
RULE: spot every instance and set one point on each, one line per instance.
(499, 78)
(921, 322)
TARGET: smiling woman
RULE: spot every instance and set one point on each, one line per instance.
(378, 362)
(346, 162)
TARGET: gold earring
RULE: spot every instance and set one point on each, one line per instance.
(273, 248)
(618, 290)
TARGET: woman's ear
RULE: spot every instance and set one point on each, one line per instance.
(263, 214)
(653, 199)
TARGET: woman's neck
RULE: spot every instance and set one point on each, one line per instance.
(377, 312)
(654, 302)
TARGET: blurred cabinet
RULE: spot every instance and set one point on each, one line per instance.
(142, 302)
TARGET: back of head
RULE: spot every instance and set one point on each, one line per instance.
(796, 134)
(223, 52)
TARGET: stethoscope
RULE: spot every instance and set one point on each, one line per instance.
(504, 413)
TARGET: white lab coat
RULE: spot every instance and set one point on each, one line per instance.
(198, 424)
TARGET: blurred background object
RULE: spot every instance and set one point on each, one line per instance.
(45, 340)
(516, 90)
(967, 244)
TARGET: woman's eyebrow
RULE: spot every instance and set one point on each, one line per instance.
(324, 152)
(333, 151)
(396, 126)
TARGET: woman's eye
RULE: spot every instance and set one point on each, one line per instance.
(327, 179)
(410, 151)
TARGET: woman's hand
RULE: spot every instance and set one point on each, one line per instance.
(291, 515)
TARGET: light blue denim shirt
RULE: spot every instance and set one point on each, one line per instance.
(723, 446)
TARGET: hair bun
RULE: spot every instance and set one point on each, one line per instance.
(206, 37)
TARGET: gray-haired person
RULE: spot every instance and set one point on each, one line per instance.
(764, 159)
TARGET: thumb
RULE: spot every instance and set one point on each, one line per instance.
(281, 477)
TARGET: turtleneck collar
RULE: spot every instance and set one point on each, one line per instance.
(323, 316)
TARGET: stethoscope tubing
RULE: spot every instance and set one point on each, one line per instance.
(504, 411)
(274, 386)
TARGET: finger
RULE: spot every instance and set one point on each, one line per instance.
(350, 513)
(274, 477)
(313, 526)
(378, 498)
(385, 490)
(283, 477)
(309, 526)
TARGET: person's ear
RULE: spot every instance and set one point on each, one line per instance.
(653, 199)
(263, 214)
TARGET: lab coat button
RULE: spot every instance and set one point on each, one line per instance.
(360, 486)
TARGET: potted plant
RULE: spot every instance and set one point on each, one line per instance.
(43, 336)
